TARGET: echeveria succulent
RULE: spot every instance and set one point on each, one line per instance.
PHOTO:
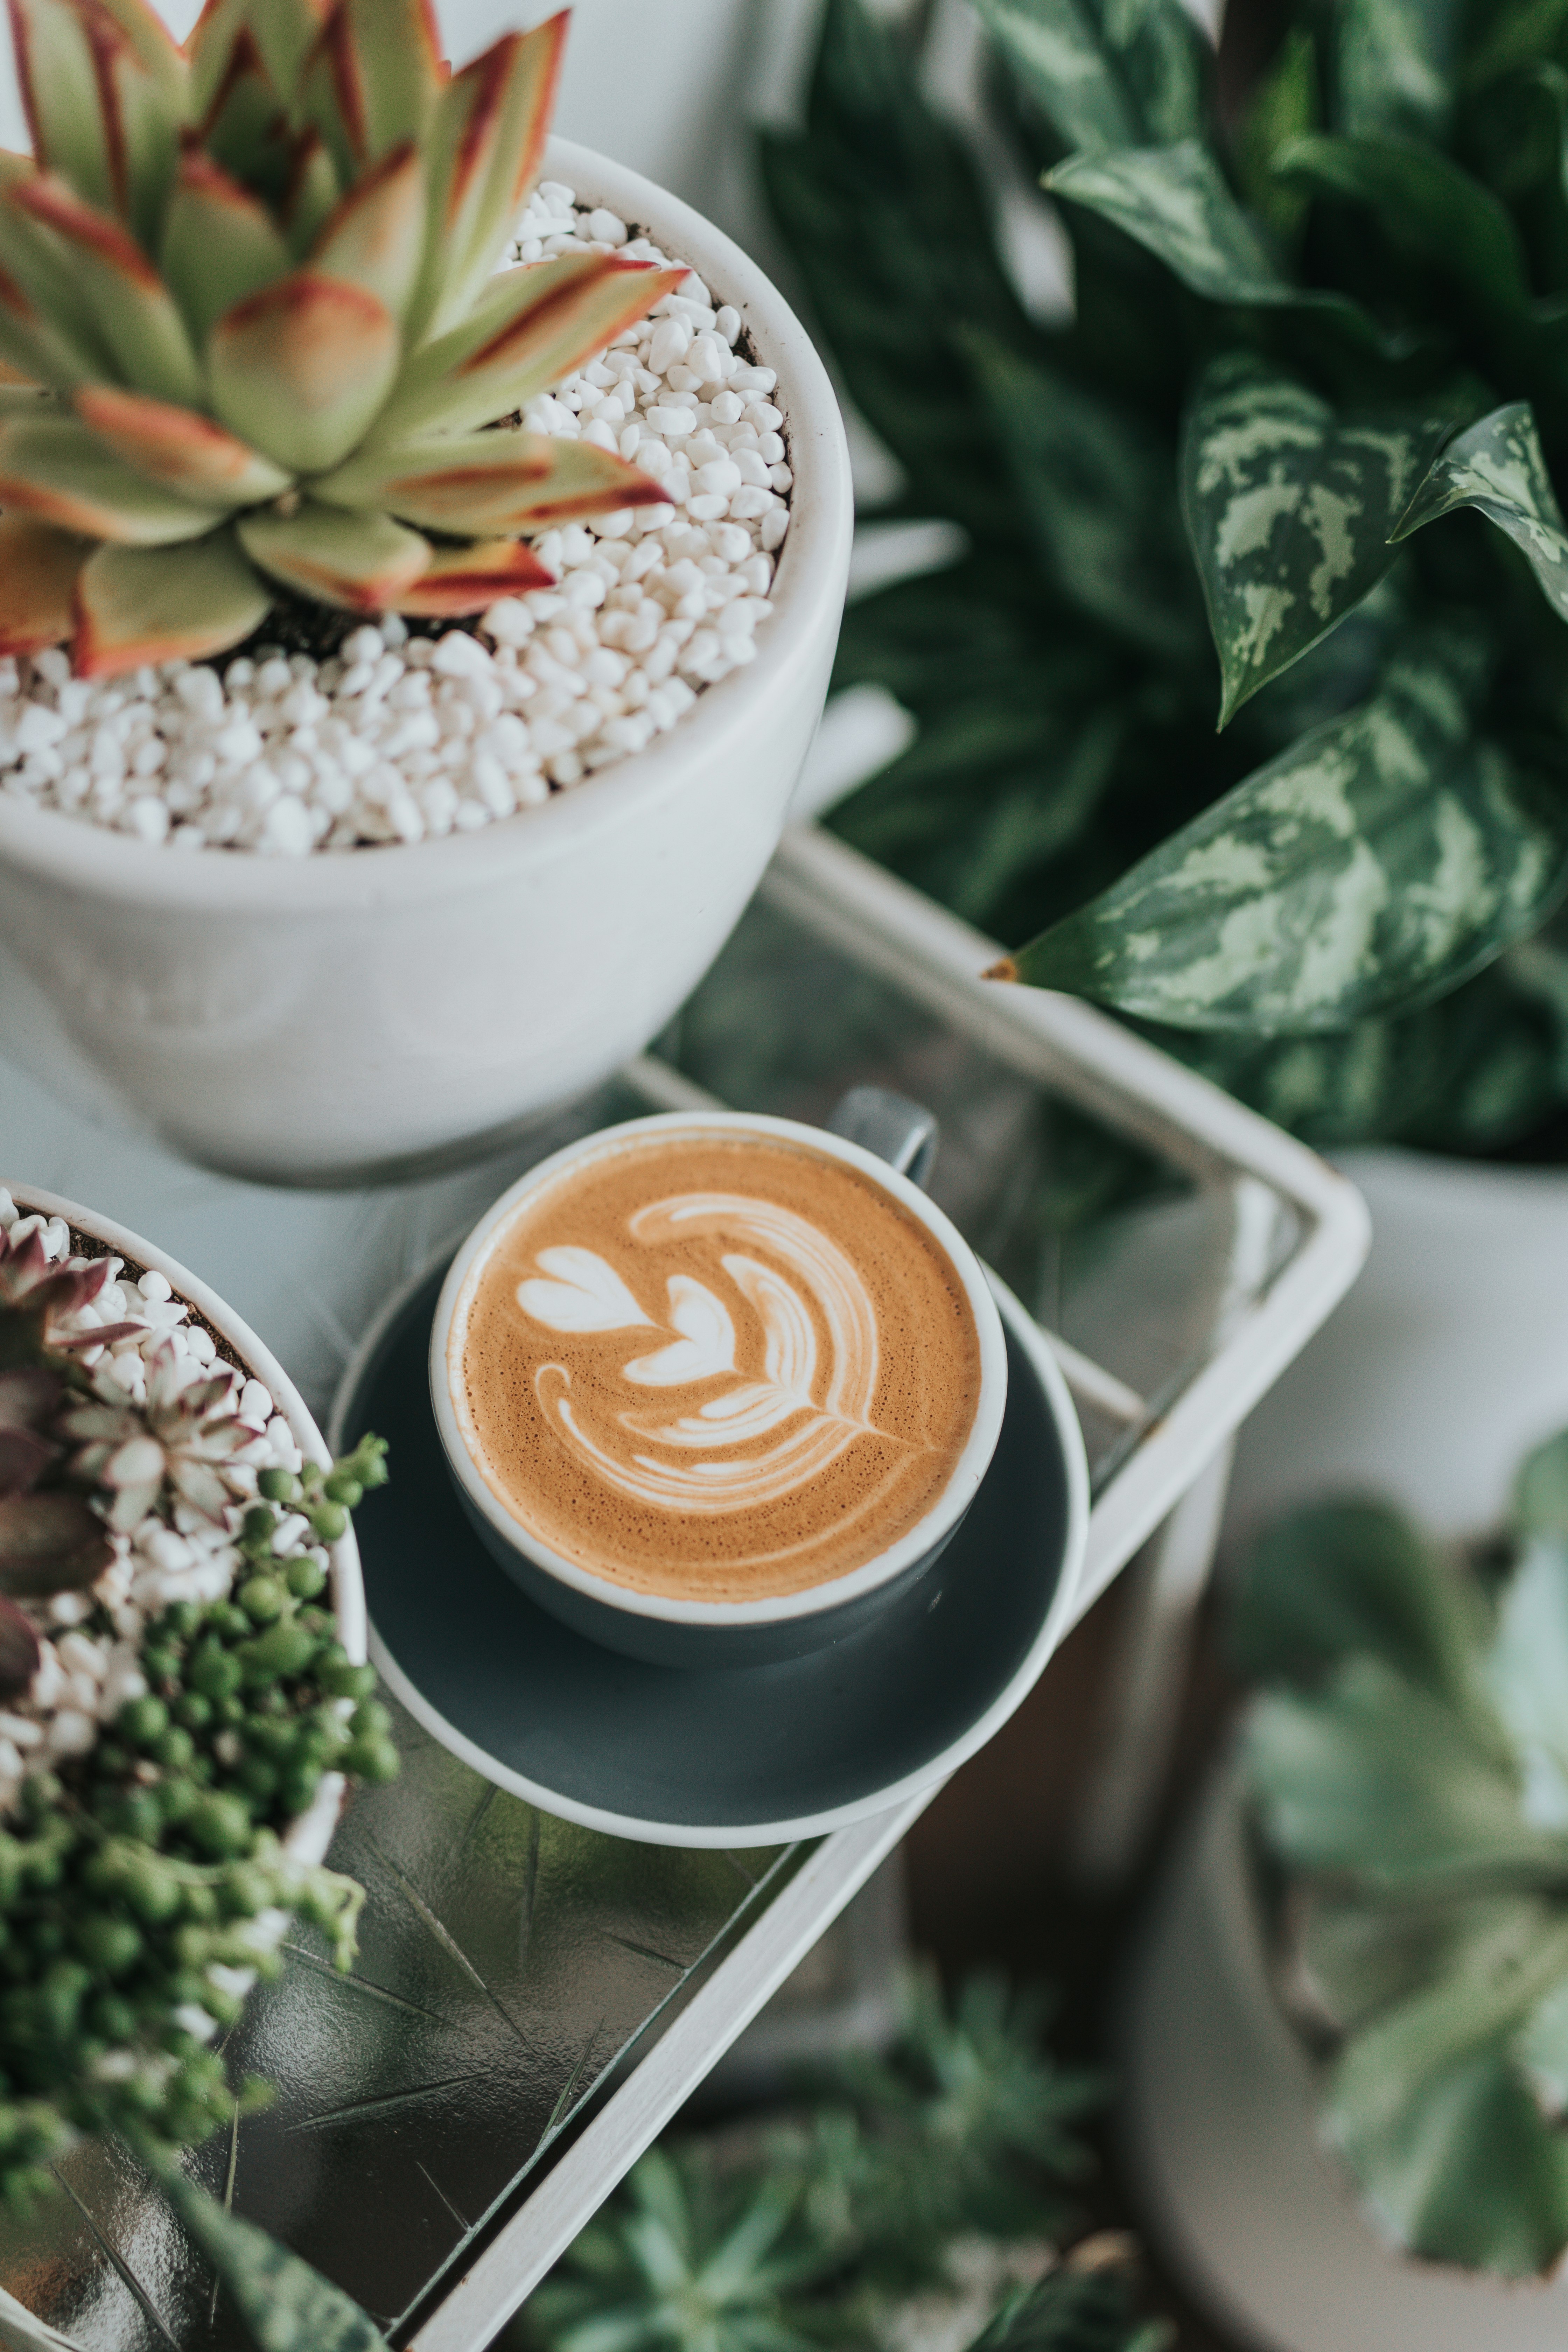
(253, 331)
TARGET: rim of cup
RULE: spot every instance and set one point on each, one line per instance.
(962, 1483)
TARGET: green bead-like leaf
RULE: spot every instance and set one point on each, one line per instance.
(1497, 468)
(1396, 61)
(1429, 205)
(1289, 508)
(1376, 863)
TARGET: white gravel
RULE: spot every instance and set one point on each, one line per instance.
(86, 1674)
(403, 739)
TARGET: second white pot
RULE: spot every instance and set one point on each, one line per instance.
(1448, 1361)
(343, 1016)
(1219, 2111)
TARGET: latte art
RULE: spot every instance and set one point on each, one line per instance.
(715, 1366)
(773, 1425)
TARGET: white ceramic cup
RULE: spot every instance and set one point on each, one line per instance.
(714, 1632)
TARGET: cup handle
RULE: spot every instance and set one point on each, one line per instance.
(902, 1132)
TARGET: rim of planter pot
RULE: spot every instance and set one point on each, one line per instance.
(114, 865)
(307, 1835)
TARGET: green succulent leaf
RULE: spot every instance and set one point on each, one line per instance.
(1375, 1776)
(1338, 1581)
(1452, 2153)
(539, 322)
(486, 143)
(1541, 1491)
(300, 369)
(1497, 468)
(179, 449)
(136, 604)
(134, 311)
(56, 469)
(39, 568)
(1541, 2050)
(360, 562)
(1396, 62)
(105, 97)
(1055, 50)
(375, 237)
(489, 483)
(1527, 1670)
(1377, 863)
(286, 2306)
(1430, 204)
(220, 244)
(1290, 506)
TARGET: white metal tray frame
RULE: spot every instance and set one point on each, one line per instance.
(1179, 1452)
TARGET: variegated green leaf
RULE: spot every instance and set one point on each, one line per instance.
(1173, 200)
(1373, 865)
(1055, 51)
(1429, 205)
(1289, 506)
(1162, 58)
(1497, 468)
(1396, 62)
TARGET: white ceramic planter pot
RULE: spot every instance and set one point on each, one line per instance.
(1219, 2117)
(341, 1016)
(307, 1838)
(1446, 1362)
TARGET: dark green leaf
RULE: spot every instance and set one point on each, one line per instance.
(1375, 1776)
(1496, 466)
(1429, 205)
(1289, 506)
(1396, 61)
(1284, 106)
(1540, 1493)
(1354, 1956)
(1164, 62)
(1451, 2151)
(1073, 2311)
(1335, 1580)
(1377, 864)
(1541, 2049)
(1096, 487)
(286, 2306)
(1055, 48)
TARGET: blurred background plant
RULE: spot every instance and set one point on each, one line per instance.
(1407, 1763)
(913, 2200)
(1303, 325)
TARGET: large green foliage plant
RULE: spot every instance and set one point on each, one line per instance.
(1287, 467)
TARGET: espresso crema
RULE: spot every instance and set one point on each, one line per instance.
(714, 1366)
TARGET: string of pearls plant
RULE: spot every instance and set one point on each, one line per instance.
(172, 1694)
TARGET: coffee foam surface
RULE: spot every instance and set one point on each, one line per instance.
(714, 1366)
